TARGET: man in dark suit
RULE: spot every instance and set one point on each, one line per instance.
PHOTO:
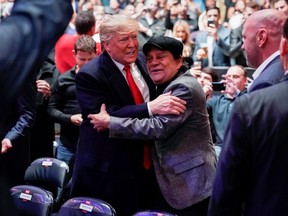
(251, 177)
(29, 50)
(262, 33)
(21, 53)
(112, 169)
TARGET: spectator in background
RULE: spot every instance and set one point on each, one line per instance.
(162, 9)
(208, 42)
(261, 37)
(42, 132)
(264, 4)
(202, 20)
(234, 49)
(251, 7)
(206, 77)
(113, 8)
(182, 10)
(21, 54)
(149, 24)
(281, 5)
(236, 9)
(63, 105)
(181, 32)
(64, 59)
(219, 107)
(251, 178)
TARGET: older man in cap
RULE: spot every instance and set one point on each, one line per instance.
(183, 155)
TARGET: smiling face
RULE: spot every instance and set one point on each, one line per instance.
(123, 48)
(162, 66)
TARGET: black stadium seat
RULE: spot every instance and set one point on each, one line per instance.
(32, 201)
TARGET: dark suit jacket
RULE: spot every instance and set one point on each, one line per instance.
(251, 173)
(109, 169)
(271, 75)
(26, 38)
(17, 129)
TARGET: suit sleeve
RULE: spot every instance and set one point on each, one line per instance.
(157, 127)
(27, 36)
(26, 105)
(233, 168)
(92, 92)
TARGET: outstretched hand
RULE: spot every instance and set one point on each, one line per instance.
(166, 104)
(6, 145)
(231, 87)
(100, 121)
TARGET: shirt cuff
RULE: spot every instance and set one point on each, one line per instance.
(149, 110)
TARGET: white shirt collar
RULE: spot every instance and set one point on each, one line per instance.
(264, 64)
(121, 66)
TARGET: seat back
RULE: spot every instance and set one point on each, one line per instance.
(86, 206)
(31, 200)
(48, 173)
(153, 213)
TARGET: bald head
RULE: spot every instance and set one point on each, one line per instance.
(262, 34)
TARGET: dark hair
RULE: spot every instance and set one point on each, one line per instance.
(213, 8)
(253, 5)
(84, 22)
(285, 29)
(245, 72)
(211, 72)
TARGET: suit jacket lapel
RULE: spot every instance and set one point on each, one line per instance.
(118, 81)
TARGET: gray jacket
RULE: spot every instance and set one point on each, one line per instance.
(183, 156)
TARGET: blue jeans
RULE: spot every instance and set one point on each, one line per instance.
(67, 155)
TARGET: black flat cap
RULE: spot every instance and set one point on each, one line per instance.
(164, 43)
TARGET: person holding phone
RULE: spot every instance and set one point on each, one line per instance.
(208, 42)
(206, 77)
(219, 106)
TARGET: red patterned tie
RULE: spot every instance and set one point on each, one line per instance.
(138, 98)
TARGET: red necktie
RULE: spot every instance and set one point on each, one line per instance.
(138, 98)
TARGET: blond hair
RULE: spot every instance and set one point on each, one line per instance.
(116, 24)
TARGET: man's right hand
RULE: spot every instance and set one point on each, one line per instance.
(6, 145)
(166, 104)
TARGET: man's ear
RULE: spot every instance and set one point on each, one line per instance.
(74, 53)
(106, 46)
(261, 37)
(179, 63)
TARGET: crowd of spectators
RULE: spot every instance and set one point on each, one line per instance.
(212, 35)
